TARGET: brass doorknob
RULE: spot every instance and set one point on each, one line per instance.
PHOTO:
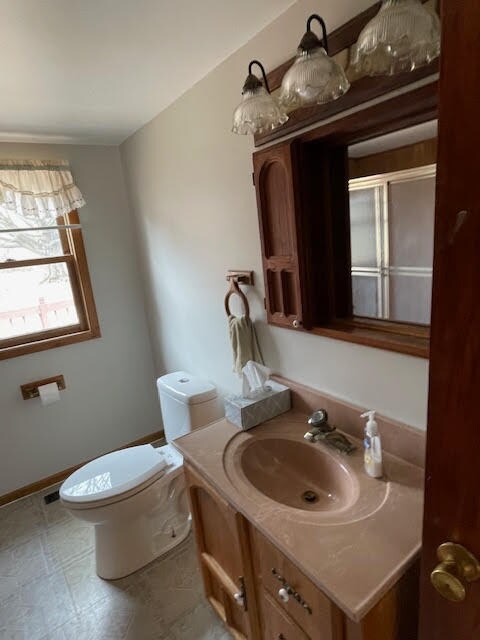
(457, 565)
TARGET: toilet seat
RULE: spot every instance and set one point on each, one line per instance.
(119, 475)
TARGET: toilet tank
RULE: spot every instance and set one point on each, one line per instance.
(187, 403)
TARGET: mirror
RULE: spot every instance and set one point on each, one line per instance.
(392, 207)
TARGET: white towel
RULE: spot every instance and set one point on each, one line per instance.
(244, 342)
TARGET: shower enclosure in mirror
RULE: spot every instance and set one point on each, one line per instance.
(392, 206)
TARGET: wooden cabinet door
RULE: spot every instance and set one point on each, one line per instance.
(276, 177)
(224, 555)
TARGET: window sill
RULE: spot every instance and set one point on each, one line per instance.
(407, 339)
(42, 344)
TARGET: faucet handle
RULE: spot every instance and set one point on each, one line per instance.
(318, 417)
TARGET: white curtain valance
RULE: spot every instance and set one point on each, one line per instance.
(38, 189)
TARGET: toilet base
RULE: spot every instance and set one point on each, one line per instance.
(121, 552)
(132, 531)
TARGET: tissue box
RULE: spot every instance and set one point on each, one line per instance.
(247, 413)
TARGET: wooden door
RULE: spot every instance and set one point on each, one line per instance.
(276, 182)
(452, 499)
(224, 555)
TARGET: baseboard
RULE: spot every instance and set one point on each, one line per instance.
(28, 489)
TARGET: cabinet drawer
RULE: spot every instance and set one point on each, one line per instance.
(277, 625)
(310, 609)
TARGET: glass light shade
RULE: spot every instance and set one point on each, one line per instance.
(314, 78)
(258, 112)
(403, 36)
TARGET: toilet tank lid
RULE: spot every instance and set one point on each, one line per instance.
(186, 388)
(113, 474)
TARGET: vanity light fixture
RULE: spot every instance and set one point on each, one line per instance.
(314, 77)
(403, 36)
(258, 111)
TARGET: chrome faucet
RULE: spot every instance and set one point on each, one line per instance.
(318, 422)
(320, 429)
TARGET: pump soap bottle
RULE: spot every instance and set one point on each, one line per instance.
(372, 447)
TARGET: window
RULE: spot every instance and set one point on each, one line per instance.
(391, 227)
(46, 298)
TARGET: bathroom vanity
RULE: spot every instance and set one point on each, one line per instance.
(296, 542)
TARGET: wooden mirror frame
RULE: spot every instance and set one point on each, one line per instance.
(302, 198)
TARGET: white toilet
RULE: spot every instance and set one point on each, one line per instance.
(136, 497)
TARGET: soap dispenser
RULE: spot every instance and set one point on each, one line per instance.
(372, 447)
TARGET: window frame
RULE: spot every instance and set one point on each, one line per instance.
(75, 259)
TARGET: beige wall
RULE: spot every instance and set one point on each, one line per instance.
(190, 187)
(110, 398)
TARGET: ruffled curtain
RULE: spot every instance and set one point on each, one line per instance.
(37, 190)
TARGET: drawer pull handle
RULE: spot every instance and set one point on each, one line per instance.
(288, 591)
(281, 637)
(283, 595)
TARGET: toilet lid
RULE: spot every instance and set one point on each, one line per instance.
(113, 474)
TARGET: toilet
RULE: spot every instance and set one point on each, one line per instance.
(136, 497)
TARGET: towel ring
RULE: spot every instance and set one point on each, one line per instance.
(234, 288)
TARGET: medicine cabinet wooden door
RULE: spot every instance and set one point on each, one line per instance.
(303, 213)
(224, 555)
(276, 178)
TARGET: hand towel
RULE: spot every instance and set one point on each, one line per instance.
(244, 342)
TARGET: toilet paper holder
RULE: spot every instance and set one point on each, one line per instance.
(30, 389)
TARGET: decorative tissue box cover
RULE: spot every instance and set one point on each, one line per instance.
(247, 413)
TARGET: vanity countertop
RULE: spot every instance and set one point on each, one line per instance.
(354, 556)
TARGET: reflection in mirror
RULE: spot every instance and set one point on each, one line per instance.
(392, 206)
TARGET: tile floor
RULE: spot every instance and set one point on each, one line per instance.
(49, 589)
